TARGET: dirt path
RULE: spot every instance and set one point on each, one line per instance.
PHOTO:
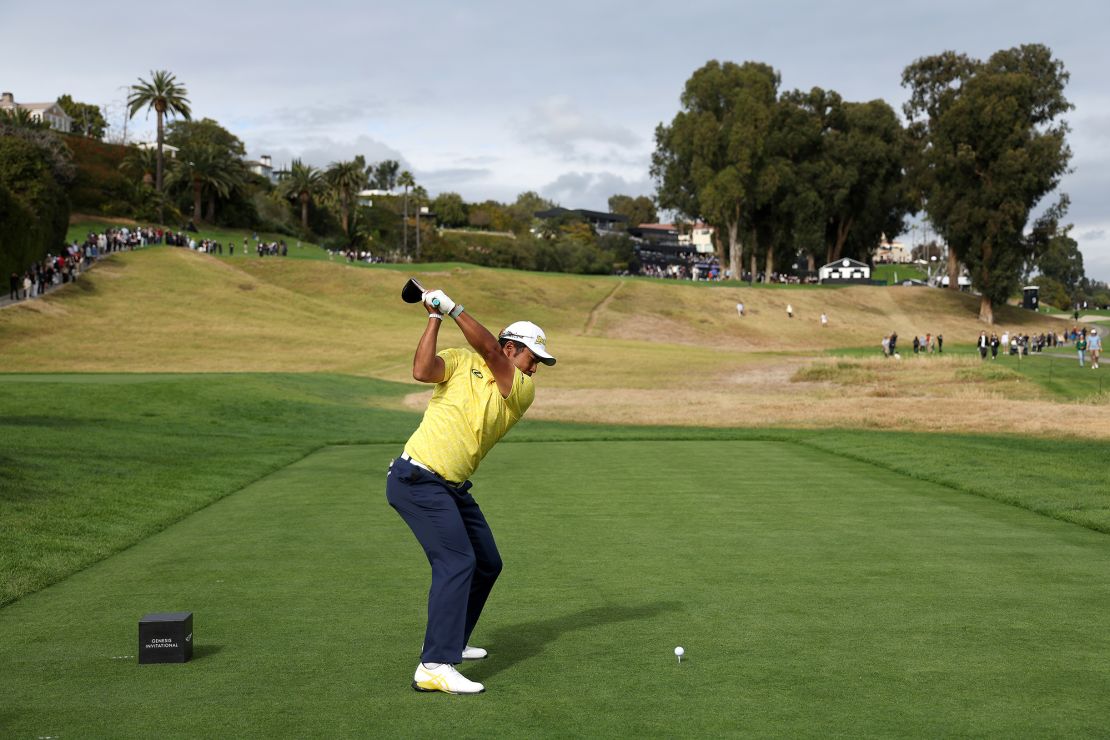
(596, 310)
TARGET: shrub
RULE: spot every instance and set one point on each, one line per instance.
(34, 209)
(99, 186)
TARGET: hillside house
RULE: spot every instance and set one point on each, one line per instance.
(51, 113)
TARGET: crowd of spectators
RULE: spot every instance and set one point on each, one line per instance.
(1023, 344)
(692, 266)
(698, 266)
(357, 255)
(991, 344)
(49, 271)
(73, 259)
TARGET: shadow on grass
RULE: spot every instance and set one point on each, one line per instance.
(515, 643)
(205, 650)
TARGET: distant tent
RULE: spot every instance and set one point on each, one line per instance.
(845, 271)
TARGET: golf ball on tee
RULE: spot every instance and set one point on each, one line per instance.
(679, 651)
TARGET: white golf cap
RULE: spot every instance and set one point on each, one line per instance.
(531, 336)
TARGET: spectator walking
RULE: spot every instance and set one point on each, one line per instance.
(916, 345)
(983, 344)
(1094, 345)
(994, 346)
(1081, 348)
(13, 285)
(940, 343)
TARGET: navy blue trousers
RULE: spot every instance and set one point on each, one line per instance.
(459, 544)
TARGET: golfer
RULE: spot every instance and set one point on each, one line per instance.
(479, 395)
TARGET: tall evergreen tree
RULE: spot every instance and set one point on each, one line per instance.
(706, 160)
(991, 145)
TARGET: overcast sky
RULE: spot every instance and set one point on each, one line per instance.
(490, 98)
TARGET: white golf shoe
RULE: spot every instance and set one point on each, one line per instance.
(469, 652)
(443, 677)
(474, 653)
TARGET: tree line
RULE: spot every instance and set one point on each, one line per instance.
(784, 174)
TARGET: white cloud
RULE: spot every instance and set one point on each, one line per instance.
(558, 124)
(592, 189)
(320, 151)
(491, 103)
(453, 179)
(1094, 242)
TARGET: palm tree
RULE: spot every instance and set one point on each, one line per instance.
(419, 196)
(302, 184)
(140, 161)
(207, 167)
(165, 96)
(231, 177)
(346, 179)
(406, 181)
(22, 118)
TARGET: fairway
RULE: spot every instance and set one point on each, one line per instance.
(814, 595)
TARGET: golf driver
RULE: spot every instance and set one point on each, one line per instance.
(413, 292)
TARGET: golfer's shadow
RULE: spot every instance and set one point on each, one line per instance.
(513, 644)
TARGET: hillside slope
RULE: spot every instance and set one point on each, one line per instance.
(630, 350)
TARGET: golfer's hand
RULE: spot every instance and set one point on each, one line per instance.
(446, 305)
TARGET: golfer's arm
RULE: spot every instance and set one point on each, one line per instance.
(427, 366)
(486, 345)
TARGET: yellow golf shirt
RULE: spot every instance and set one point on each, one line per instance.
(467, 415)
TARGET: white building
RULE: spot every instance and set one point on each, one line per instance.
(167, 149)
(889, 252)
(264, 167)
(51, 113)
(366, 197)
(700, 237)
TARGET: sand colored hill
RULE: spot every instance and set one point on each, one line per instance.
(630, 350)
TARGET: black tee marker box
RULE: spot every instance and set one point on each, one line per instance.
(166, 637)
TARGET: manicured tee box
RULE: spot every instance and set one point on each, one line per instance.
(166, 637)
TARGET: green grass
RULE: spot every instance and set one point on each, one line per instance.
(298, 248)
(96, 463)
(1056, 369)
(1059, 372)
(894, 274)
(863, 583)
(812, 592)
(1070, 312)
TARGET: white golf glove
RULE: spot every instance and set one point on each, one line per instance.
(445, 303)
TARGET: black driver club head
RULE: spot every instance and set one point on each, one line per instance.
(412, 291)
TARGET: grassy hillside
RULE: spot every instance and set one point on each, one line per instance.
(81, 225)
(631, 350)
